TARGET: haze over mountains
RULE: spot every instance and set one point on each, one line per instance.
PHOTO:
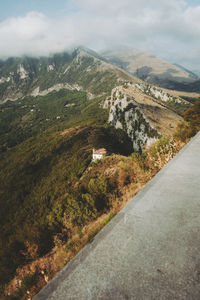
(80, 69)
(151, 68)
(197, 72)
(83, 69)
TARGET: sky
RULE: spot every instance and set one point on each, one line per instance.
(169, 29)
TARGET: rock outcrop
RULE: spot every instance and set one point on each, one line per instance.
(125, 113)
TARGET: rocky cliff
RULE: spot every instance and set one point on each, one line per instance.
(142, 112)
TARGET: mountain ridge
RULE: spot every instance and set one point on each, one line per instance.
(150, 68)
(81, 69)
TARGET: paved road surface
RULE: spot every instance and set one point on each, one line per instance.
(150, 250)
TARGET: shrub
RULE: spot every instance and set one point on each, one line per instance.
(28, 282)
(183, 132)
(191, 124)
(109, 218)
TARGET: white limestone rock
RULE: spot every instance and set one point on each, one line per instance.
(5, 79)
(156, 93)
(22, 72)
(57, 87)
(125, 113)
(50, 68)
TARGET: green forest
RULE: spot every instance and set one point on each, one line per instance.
(41, 161)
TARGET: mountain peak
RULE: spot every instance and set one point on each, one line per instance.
(81, 67)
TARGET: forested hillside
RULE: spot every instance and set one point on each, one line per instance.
(39, 173)
(28, 116)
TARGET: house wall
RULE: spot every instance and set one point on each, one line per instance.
(97, 156)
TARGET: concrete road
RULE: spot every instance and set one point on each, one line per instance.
(150, 250)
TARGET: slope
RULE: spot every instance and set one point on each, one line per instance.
(80, 69)
(47, 137)
(37, 183)
(149, 67)
(144, 112)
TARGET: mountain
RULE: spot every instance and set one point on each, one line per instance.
(80, 69)
(192, 87)
(196, 72)
(150, 68)
(144, 112)
(50, 190)
(186, 70)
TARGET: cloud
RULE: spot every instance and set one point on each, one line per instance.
(170, 29)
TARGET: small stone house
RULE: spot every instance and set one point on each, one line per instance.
(98, 154)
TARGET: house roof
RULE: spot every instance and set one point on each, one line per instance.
(100, 151)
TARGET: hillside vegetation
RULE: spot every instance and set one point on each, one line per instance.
(27, 117)
(67, 205)
(53, 198)
(191, 124)
(38, 176)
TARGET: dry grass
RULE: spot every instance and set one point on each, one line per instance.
(164, 120)
(182, 93)
(70, 130)
(137, 59)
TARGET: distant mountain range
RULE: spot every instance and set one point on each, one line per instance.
(152, 69)
(193, 74)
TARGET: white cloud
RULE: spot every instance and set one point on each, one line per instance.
(167, 28)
